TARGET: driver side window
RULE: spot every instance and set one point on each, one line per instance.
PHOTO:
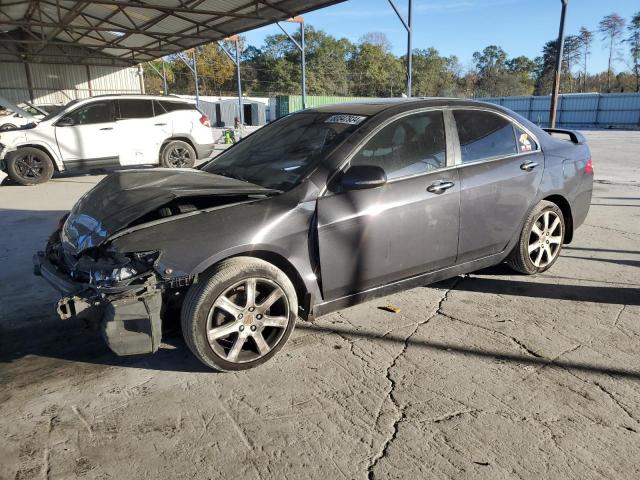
(409, 146)
(95, 112)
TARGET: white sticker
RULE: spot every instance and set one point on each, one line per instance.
(525, 144)
(346, 119)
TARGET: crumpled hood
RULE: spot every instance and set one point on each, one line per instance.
(124, 197)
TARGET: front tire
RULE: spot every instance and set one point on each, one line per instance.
(29, 166)
(7, 126)
(541, 240)
(177, 154)
(240, 314)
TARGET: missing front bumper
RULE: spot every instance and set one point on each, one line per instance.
(129, 320)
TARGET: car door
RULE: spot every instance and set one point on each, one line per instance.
(87, 136)
(500, 171)
(403, 228)
(142, 134)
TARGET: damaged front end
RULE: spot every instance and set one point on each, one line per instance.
(120, 294)
(126, 294)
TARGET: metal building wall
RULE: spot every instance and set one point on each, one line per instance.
(584, 110)
(59, 83)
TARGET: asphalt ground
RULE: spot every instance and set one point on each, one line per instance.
(491, 375)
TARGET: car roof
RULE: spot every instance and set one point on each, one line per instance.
(378, 105)
(171, 98)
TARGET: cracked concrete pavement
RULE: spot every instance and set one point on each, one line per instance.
(491, 375)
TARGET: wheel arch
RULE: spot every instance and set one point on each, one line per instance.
(178, 137)
(565, 207)
(281, 262)
(44, 150)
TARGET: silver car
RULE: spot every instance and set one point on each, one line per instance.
(318, 211)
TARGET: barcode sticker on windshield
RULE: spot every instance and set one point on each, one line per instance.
(347, 119)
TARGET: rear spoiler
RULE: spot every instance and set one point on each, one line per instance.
(576, 137)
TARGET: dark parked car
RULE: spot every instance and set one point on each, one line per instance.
(317, 211)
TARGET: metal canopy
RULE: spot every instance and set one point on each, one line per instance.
(113, 32)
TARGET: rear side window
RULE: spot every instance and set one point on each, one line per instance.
(135, 108)
(409, 146)
(484, 135)
(95, 112)
(174, 106)
(526, 143)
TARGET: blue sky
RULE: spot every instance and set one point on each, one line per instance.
(460, 27)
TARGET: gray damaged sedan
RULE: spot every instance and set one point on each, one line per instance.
(317, 211)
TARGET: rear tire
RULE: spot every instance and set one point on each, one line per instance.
(541, 240)
(177, 154)
(239, 314)
(7, 126)
(29, 166)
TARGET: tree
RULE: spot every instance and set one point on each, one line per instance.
(376, 73)
(586, 37)
(376, 38)
(634, 46)
(153, 81)
(545, 67)
(611, 27)
(490, 65)
(433, 74)
(570, 55)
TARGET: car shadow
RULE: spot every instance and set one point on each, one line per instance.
(74, 342)
(464, 351)
(550, 291)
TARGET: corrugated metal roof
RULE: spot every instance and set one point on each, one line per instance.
(132, 31)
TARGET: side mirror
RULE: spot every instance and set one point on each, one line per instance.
(65, 122)
(360, 177)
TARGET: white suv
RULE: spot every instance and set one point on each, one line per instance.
(107, 131)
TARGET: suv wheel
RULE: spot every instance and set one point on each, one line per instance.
(7, 126)
(29, 166)
(239, 315)
(540, 241)
(178, 154)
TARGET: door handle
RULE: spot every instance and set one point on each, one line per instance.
(107, 128)
(528, 166)
(159, 124)
(439, 186)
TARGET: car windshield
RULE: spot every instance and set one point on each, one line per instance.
(280, 155)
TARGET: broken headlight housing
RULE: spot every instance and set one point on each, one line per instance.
(117, 275)
(123, 268)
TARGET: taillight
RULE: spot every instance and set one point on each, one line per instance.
(589, 167)
(204, 120)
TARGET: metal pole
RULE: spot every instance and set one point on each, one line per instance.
(241, 117)
(195, 76)
(304, 67)
(556, 74)
(409, 49)
(164, 79)
(140, 73)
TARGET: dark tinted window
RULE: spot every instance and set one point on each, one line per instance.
(134, 108)
(284, 152)
(96, 112)
(409, 146)
(526, 143)
(483, 135)
(173, 106)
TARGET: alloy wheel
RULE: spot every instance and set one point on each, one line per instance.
(248, 320)
(30, 166)
(179, 157)
(545, 239)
